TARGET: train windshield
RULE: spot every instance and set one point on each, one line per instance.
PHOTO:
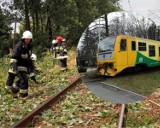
(106, 44)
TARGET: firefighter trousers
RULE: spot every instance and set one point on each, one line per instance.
(10, 79)
(63, 63)
(21, 84)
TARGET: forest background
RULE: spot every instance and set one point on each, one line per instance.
(48, 19)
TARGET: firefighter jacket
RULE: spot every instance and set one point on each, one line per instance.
(60, 50)
(20, 59)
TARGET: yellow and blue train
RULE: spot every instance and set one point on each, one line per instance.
(118, 53)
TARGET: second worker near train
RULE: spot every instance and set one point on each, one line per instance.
(60, 52)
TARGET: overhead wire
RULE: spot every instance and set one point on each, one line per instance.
(155, 14)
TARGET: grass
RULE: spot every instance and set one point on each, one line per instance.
(143, 83)
(50, 81)
(81, 107)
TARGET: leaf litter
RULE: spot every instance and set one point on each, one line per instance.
(80, 108)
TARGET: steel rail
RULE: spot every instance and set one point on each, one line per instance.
(154, 103)
(123, 112)
(27, 120)
(121, 116)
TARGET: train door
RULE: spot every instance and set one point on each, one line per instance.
(131, 52)
(122, 53)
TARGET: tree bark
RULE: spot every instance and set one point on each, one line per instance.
(27, 21)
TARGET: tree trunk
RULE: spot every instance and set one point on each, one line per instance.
(37, 20)
(34, 24)
(42, 23)
(49, 28)
(27, 21)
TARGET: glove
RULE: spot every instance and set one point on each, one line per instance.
(34, 79)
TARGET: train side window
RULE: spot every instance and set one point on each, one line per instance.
(133, 46)
(141, 46)
(123, 45)
(151, 50)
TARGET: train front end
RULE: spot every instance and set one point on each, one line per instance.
(105, 57)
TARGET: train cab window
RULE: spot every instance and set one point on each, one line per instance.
(123, 45)
(106, 45)
(133, 47)
(151, 50)
(141, 46)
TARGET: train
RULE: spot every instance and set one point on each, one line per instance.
(116, 54)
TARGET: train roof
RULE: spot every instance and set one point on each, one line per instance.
(138, 38)
(129, 36)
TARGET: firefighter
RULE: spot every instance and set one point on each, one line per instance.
(12, 75)
(19, 65)
(61, 52)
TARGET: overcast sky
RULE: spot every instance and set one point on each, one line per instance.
(142, 7)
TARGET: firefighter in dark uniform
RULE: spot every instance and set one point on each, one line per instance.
(20, 63)
(31, 73)
(61, 52)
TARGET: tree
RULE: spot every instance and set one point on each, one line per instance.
(4, 34)
(68, 18)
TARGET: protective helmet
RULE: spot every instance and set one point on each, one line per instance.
(59, 38)
(27, 35)
(54, 41)
(33, 57)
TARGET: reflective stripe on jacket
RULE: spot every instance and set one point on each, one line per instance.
(21, 54)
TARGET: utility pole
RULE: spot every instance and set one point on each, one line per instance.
(99, 31)
(15, 24)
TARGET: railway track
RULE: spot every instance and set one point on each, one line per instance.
(28, 119)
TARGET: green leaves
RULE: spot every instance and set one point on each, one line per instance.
(80, 107)
(4, 34)
(50, 81)
(102, 113)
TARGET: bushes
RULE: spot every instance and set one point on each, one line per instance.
(40, 43)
